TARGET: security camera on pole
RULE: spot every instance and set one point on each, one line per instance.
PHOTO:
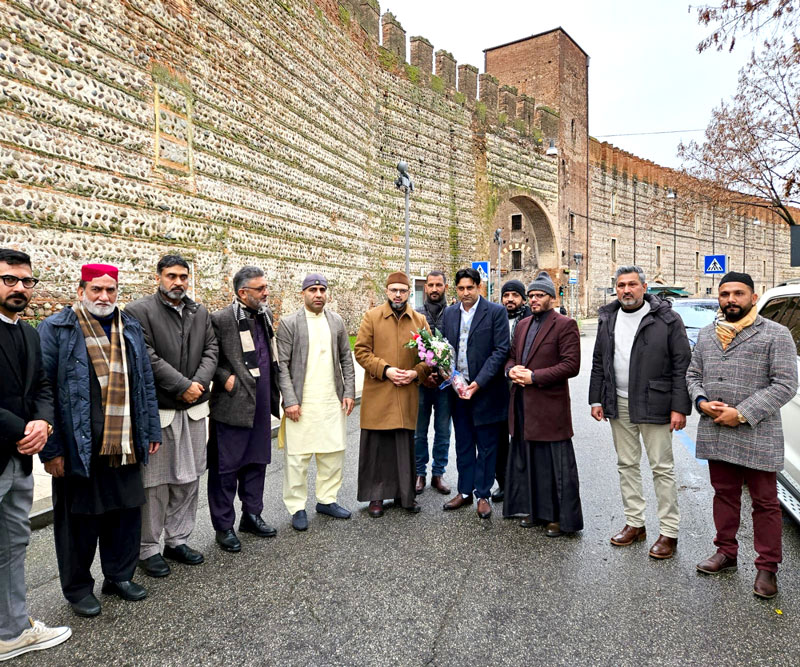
(405, 184)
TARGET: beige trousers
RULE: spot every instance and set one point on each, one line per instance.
(295, 478)
(658, 445)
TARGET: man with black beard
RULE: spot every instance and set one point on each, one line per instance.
(183, 352)
(431, 398)
(512, 296)
(743, 370)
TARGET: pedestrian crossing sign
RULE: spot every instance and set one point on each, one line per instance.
(715, 264)
(483, 270)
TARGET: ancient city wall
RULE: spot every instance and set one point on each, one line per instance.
(242, 132)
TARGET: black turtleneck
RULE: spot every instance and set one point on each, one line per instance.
(105, 322)
(633, 310)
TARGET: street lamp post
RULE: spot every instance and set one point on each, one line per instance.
(673, 195)
(405, 184)
(499, 241)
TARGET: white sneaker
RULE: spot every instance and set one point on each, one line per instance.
(36, 638)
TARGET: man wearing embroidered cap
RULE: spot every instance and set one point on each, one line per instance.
(390, 398)
(317, 381)
(106, 424)
(183, 353)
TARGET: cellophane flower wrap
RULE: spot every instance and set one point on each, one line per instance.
(434, 350)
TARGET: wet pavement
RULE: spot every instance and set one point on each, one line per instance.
(442, 588)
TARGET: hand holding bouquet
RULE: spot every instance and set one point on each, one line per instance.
(436, 352)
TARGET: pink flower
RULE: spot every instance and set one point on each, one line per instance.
(421, 354)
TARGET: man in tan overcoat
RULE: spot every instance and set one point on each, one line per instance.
(390, 398)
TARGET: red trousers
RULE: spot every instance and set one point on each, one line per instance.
(727, 480)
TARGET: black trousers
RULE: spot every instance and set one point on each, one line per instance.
(77, 535)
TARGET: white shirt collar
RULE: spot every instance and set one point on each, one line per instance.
(8, 320)
(471, 311)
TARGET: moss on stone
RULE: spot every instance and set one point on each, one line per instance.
(344, 15)
(459, 97)
(387, 59)
(413, 73)
(480, 111)
(437, 84)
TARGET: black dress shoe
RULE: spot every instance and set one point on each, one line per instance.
(415, 508)
(300, 520)
(333, 509)
(183, 553)
(228, 541)
(498, 496)
(254, 524)
(87, 607)
(155, 566)
(127, 590)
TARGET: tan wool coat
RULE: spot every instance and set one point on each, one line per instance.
(379, 344)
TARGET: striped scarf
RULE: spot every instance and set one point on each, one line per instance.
(726, 331)
(249, 354)
(110, 365)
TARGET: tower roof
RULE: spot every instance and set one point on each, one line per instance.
(539, 34)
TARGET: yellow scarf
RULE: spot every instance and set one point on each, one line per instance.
(726, 331)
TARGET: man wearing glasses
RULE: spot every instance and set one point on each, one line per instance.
(26, 415)
(244, 394)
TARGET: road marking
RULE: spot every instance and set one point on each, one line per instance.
(686, 441)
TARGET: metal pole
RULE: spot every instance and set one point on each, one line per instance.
(744, 245)
(634, 220)
(499, 246)
(408, 272)
(674, 241)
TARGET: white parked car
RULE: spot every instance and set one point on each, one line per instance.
(782, 304)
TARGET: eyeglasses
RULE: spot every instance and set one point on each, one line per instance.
(398, 290)
(27, 283)
(537, 296)
(257, 289)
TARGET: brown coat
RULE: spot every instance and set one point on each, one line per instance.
(554, 357)
(379, 345)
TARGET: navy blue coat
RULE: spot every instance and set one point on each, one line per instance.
(487, 351)
(66, 364)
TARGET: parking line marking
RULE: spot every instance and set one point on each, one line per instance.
(686, 441)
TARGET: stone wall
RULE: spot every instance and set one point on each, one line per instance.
(239, 132)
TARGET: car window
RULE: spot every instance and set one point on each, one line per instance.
(697, 315)
(775, 308)
(785, 310)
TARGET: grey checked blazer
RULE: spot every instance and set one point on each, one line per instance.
(292, 340)
(757, 375)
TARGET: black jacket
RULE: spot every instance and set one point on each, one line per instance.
(434, 322)
(24, 397)
(659, 359)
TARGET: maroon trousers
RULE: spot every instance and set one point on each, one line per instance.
(727, 480)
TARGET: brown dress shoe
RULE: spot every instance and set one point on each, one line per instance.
(553, 529)
(484, 508)
(766, 585)
(420, 485)
(438, 484)
(717, 563)
(628, 535)
(458, 501)
(375, 508)
(664, 547)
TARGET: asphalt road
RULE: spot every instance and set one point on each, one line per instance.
(445, 588)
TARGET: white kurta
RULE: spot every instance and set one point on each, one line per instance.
(322, 426)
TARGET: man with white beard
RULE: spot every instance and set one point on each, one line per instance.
(106, 424)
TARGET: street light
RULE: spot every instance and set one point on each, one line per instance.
(673, 195)
(405, 184)
(499, 241)
(551, 149)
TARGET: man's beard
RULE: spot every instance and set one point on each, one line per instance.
(631, 302)
(173, 294)
(735, 317)
(397, 307)
(98, 309)
(437, 299)
(18, 307)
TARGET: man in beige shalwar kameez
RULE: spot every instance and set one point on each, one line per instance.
(317, 382)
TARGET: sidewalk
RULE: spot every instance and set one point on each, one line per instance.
(42, 509)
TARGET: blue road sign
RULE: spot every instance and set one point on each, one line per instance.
(573, 279)
(483, 270)
(715, 264)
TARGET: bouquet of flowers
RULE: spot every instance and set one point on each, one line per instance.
(436, 352)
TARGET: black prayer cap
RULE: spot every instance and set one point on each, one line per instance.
(736, 277)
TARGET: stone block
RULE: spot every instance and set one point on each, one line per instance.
(394, 37)
(422, 55)
(446, 68)
(468, 82)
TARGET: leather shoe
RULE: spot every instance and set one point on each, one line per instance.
(127, 590)
(183, 553)
(300, 520)
(628, 535)
(457, 501)
(664, 547)
(228, 541)
(553, 529)
(498, 496)
(333, 509)
(484, 508)
(87, 607)
(527, 522)
(766, 585)
(375, 508)
(255, 525)
(438, 483)
(415, 508)
(155, 566)
(716, 564)
(420, 484)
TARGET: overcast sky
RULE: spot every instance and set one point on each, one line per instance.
(645, 74)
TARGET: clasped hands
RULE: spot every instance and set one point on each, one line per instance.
(720, 412)
(520, 375)
(400, 376)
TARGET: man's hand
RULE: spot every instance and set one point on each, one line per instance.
(677, 421)
(55, 467)
(293, 412)
(398, 376)
(230, 382)
(194, 392)
(728, 416)
(347, 405)
(598, 414)
(35, 437)
(711, 408)
(432, 381)
(520, 375)
(469, 392)
(154, 447)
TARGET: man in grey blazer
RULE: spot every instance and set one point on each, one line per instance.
(743, 370)
(317, 381)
